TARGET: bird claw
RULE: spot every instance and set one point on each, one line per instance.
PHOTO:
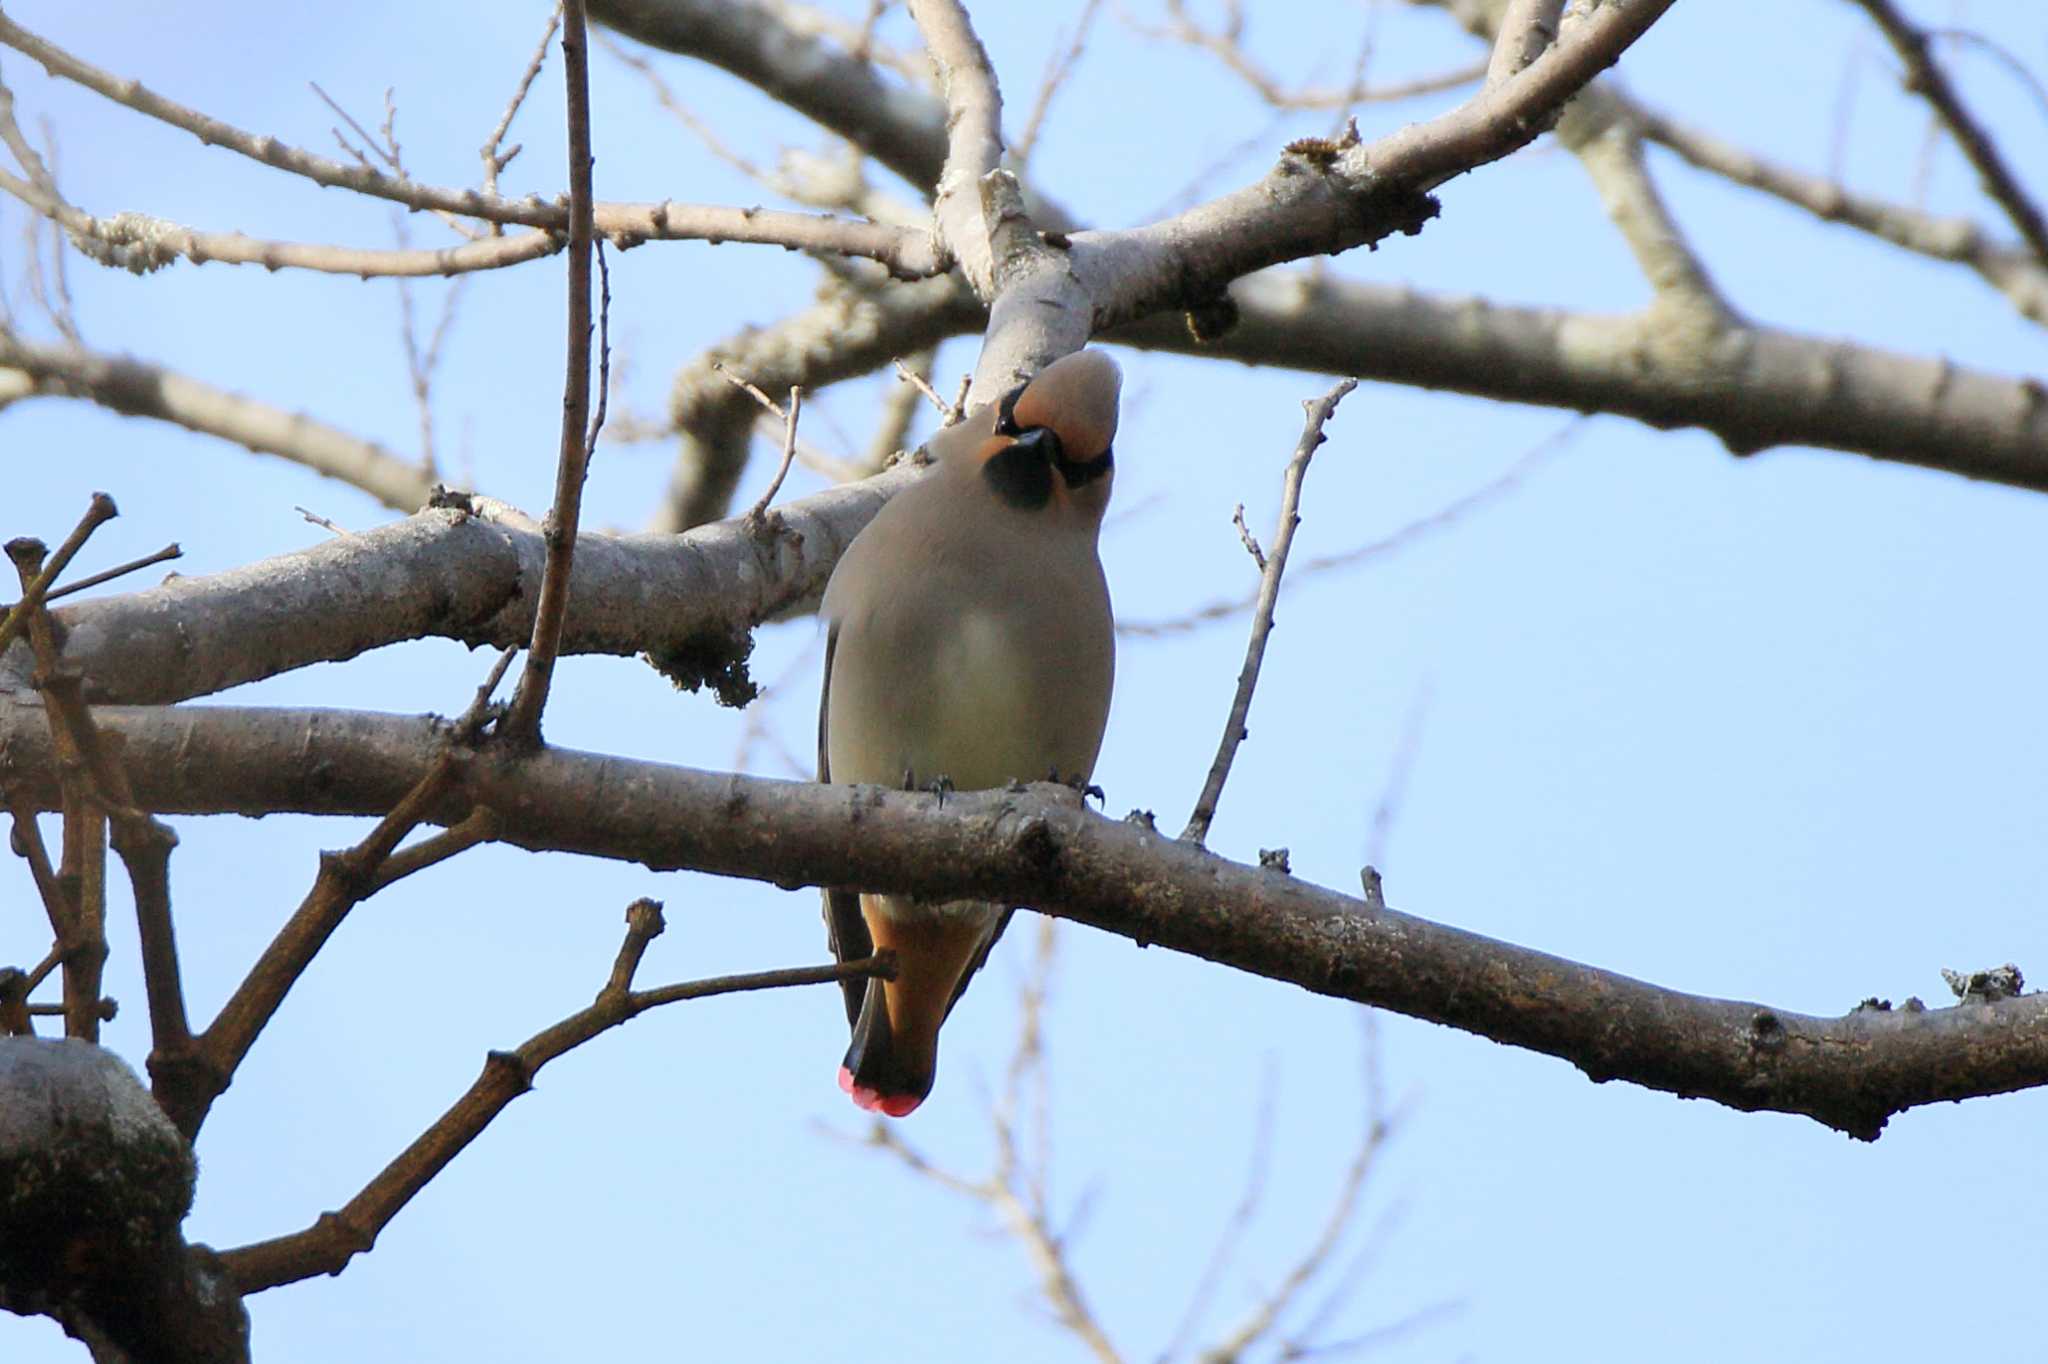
(940, 787)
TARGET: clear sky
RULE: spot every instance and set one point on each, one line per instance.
(1766, 729)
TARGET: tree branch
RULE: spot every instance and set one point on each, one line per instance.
(2012, 272)
(974, 141)
(521, 724)
(137, 388)
(140, 242)
(1925, 77)
(1271, 567)
(1035, 847)
(850, 332)
(1754, 388)
(330, 1243)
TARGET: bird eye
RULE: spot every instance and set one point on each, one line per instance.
(1006, 412)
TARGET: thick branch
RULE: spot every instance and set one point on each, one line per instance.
(1753, 387)
(1330, 196)
(1036, 847)
(448, 574)
(974, 142)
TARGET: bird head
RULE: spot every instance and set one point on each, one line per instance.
(1051, 446)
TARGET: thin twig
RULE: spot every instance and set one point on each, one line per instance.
(1376, 1129)
(36, 588)
(1448, 515)
(494, 161)
(1232, 1237)
(331, 1242)
(481, 825)
(757, 513)
(948, 412)
(27, 836)
(167, 553)
(1395, 791)
(1999, 53)
(522, 722)
(344, 881)
(140, 242)
(1015, 1188)
(1226, 44)
(1319, 412)
(97, 796)
(1057, 70)
(899, 410)
(315, 518)
(1924, 76)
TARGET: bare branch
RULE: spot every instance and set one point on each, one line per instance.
(494, 160)
(99, 784)
(1273, 566)
(1755, 388)
(847, 333)
(757, 514)
(1609, 145)
(139, 242)
(1526, 28)
(1226, 45)
(522, 722)
(974, 115)
(1925, 77)
(1450, 514)
(1035, 847)
(344, 881)
(168, 552)
(1015, 1188)
(330, 1243)
(2013, 272)
(138, 388)
(37, 580)
(1056, 72)
(1376, 1129)
(904, 129)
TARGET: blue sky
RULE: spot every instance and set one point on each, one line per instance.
(1764, 729)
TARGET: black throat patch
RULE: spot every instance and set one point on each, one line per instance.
(1021, 472)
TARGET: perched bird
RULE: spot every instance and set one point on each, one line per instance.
(969, 645)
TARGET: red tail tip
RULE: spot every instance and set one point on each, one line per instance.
(874, 1101)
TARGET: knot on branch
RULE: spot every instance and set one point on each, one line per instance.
(510, 1070)
(94, 1183)
(345, 1234)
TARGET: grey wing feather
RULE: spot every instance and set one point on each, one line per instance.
(845, 928)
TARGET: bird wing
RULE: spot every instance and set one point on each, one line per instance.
(845, 930)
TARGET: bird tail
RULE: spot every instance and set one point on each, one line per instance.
(884, 1072)
(895, 1049)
